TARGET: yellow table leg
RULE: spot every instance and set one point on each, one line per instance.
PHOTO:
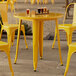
(58, 37)
(18, 38)
(35, 42)
(41, 39)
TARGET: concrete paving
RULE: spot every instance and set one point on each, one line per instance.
(48, 66)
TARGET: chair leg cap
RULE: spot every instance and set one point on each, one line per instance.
(41, 58)
(61, 64)
(14, 62)
(34, 70)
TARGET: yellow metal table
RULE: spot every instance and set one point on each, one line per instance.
(37, 21)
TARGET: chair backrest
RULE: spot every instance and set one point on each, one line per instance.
(74, 15)
(3, 11)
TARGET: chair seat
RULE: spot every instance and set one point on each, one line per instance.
(65, 26)
(11, 25)
(73, 44)
(3, 43)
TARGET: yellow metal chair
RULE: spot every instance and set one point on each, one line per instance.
(45, 1)
(68, 28)
(72, 49)
(5, 47)
(33, 1)
(38, 1)
(72, 46)
(52, 1)
(9, 28)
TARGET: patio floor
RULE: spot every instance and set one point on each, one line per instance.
(49, 66)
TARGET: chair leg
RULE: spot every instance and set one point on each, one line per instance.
(13, 36)
(10, 65)
(69, 38)
(43, 1)
(16, 56)
(18, 39)
(23, 30)
(46, 1)
(38, 1)
(0, 34)
(54, 38)
(52, 1)
(68, 61)
(9, 37)
(32, 1)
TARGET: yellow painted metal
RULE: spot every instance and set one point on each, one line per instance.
(6, 48)
(38, 33)
(45, 1)
(32, 1)
(9, 28)
(39, 1)
(46, 17)
(52, 1)
(72, 46)
(11, 3)
(41, 38)
(72, 49)
(58, 37)
(20, 21)
(68, 28)
(35, 42)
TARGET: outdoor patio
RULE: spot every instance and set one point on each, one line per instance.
(50, 64)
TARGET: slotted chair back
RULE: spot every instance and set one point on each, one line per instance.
(3, 11)
(74, 14)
